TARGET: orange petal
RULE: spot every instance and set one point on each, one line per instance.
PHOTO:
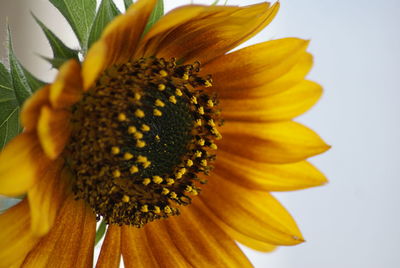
(110, 254)
(70, 242)
(22, 163)
(136, 250)
(255, 214)
(283, 106)
(86, 247)
(32, 107)
(294, 76)
(54, 130)
(267, 177)
(280, 142)
(15, 237)
(46, 197)
(118, 41)
(160, 239)
(214, 32)
(202, 242)
(236, 234)
(256, 65)
(67, 88)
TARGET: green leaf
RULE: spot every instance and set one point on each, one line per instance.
(80, 15)
(9, 109)
(20, 83)
(157, 13)
(100, 232)
(60, 50)
(128, 3)
(5, 78)
(107, 11)
(16, 86)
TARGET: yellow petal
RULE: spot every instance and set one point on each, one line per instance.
(280, 142)
(46, 197)
(264, 18)
(70, 242)
(15, 237)
(32, 107)
(21, 164)
(294, 76)
(110, 254)
(252, 243)
(214, 32)
(54, 130)
(118, 42)
(148, 46)
(283, 106)
(202, 242)
(67, 88)
(136, 250)
(236, 234)
(267, 177)
(160, 239)
(95, 62)
(255, 214)
(256, 65)
(174, 18)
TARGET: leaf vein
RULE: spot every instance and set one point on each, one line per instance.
(9, 116)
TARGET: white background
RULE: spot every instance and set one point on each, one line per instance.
(354, 220)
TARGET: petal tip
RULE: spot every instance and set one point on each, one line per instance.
(65, 91)
(39, 230)
(93, 64)
(53, 131)
(301, 240)
(327, 147)
(277, 4)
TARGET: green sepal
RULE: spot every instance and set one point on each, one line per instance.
(9, 109)
(60, 50)
(80, 15)
(100, 232)
(217, 1)
(107, 11)
(53, 61)
(128, 3)
(157, 13)
(19, 81)
(34, 83)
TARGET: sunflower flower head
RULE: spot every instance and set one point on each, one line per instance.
(161, 132)
(140, 137)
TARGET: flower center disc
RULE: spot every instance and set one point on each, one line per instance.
(140, 137)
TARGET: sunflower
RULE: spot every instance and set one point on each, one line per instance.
(169, 139)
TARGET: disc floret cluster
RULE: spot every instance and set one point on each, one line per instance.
(140, 138)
